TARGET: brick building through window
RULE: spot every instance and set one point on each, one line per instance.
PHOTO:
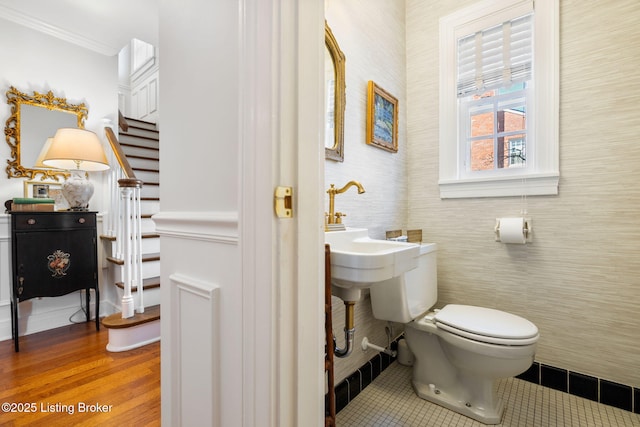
(497, 130)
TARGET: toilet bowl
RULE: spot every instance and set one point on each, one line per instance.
(460, 350)
(457, 369)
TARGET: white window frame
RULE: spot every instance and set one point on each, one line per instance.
(542, 176)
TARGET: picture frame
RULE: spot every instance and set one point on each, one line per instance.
(46, 189)
(382, 118)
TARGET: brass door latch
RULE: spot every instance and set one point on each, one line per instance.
(283, 202)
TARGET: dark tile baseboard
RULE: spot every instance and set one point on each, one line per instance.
(592, 388)
(351, 386)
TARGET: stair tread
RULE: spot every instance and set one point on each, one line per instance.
(153, 135)
(146, 235)
(145, 258)
(148, 283)
(131, 144)
(137, 126)
(115, 321)
(146, 122)
(135, 156)
(154, 138)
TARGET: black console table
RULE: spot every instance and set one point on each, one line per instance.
(53, 254)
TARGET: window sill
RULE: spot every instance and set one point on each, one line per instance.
(530, 185)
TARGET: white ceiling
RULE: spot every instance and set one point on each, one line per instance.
(105, 26)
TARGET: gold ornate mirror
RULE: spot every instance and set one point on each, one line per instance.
(334, 99)
(33, 119)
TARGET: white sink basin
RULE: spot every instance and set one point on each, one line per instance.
(359, 262)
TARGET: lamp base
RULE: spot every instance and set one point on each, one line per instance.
(77, 189)
(78, 209)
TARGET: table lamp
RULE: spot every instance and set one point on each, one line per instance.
(78, 151)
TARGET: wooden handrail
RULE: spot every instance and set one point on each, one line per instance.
(117, 150)
(122, 122)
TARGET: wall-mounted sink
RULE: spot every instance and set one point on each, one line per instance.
(359, 262)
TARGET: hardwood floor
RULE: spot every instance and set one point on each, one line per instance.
(65, 376)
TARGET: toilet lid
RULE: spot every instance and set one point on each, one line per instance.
(486, 324)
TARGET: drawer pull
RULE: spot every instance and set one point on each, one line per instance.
(31, 221)
(81, 220)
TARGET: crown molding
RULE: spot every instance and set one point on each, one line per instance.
(34, 23)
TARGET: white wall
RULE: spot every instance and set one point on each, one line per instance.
(371, 34)
(578, 281)
(198, 222)
(204, 93)
(31, 62)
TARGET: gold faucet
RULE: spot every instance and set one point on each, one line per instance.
(335, 217)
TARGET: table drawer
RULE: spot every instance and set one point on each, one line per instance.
(53, 220)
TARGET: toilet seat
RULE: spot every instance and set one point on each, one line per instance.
(486, 325)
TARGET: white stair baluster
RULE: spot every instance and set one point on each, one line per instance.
(127, 299)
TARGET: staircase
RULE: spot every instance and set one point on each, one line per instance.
(139, 143)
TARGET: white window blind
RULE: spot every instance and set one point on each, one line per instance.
(496, 57)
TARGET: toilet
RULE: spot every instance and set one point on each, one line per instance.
(459, 351)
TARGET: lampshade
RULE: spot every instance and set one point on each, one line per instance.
(74, 148)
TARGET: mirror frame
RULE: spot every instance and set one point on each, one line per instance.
(48, 100)
(337, 151)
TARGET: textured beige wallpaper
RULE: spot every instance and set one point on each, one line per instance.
(579, 281)
(371, 33)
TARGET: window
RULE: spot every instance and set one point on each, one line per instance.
(499, 100)
(142, 54)
(493, 130)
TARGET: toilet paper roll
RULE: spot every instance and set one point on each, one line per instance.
(512, 230)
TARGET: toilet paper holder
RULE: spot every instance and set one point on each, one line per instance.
(527, 230)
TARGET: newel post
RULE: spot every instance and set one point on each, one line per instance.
(132, 243)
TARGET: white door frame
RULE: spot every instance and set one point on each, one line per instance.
(283, 361)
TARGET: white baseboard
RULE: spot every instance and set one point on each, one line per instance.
(43, 321)
(50, 319)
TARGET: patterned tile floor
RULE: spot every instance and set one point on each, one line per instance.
(390, 401)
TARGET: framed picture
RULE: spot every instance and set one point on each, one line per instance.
(382, 118)
(46, 189)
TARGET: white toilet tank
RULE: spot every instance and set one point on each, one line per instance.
(404, 298)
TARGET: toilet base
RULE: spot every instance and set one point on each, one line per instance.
(442, 398)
